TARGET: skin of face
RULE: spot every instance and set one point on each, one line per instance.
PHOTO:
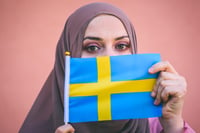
(105, 36)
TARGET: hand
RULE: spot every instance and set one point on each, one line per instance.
(169, 90)
(65, 129)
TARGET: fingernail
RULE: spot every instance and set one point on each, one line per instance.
(150, 70)
(153, 94)
(156, 102)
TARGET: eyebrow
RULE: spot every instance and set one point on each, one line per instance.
(100, 39)
(92, 38)
(121, 37)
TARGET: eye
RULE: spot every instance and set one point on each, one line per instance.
(122, 46)
(91, 48)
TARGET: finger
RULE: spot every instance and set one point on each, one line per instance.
(162, 66)
(156, 86)
(65, 129)
(169, 82)
(161, 87)
(168, 76)
(158, 95)
(169, 91)
(71, 129)
(171, 88)
(163, 76)
(166, 94)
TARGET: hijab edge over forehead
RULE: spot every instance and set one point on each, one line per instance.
(77, 23)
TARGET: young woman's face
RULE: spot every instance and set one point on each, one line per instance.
(105, 36)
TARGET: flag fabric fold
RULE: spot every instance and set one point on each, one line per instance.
(112, 88)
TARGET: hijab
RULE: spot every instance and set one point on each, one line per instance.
(47, 112)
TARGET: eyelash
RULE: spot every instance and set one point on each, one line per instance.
(127, 45)
(91, 48)
(95, 47)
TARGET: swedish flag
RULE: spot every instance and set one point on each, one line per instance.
(112, 88)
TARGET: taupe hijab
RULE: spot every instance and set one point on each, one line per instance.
(47, 112)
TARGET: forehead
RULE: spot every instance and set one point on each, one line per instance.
(105, 25)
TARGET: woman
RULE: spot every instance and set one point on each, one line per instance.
(100, 29)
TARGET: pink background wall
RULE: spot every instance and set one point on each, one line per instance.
(30, 29)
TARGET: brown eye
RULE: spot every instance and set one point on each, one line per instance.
(122, 46)
(92, 48)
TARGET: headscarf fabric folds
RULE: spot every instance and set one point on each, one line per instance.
(47, 113)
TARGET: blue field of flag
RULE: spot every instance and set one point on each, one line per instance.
(112, 88)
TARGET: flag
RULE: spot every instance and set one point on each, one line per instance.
(112, 88)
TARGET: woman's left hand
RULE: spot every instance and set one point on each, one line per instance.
(169, 90)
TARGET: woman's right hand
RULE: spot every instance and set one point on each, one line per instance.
(65, 129)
